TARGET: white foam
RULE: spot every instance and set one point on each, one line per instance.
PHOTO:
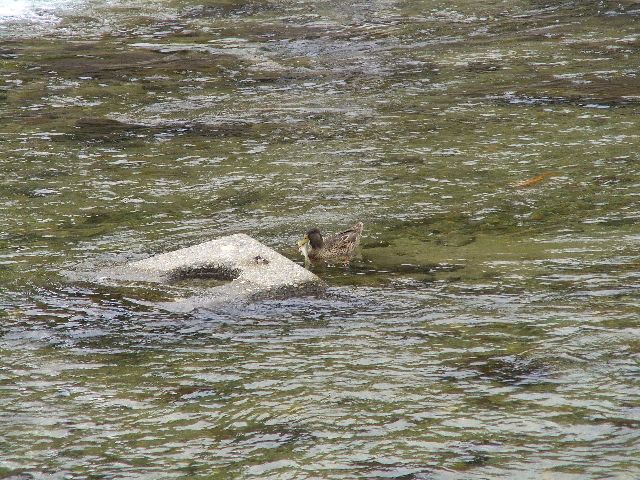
(14, 8)
(29, 9)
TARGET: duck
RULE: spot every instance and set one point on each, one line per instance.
(315, 248)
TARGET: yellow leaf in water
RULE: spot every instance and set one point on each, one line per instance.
(532, 181)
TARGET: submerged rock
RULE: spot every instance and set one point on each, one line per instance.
(253, 271)
(105, 129)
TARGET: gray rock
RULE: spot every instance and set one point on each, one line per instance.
(253, 270)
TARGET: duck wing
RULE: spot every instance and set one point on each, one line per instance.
(345, 242)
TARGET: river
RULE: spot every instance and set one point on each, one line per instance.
(489, 328)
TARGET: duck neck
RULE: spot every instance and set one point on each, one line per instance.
(316, 241)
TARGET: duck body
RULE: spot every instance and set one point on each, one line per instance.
(315, 248)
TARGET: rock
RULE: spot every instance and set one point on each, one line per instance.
(253, 270)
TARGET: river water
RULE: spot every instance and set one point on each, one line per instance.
(489, 328)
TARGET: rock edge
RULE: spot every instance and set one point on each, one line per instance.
(253, 270)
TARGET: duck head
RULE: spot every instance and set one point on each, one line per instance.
(312, 240)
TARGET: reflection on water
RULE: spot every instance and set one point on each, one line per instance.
(488, 328)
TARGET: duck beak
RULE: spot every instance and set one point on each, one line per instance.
(303, 242)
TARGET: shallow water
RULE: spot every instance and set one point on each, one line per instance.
(489, 328)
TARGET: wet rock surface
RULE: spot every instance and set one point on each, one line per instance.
(253, 271)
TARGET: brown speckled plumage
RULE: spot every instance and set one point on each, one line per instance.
(336, 247)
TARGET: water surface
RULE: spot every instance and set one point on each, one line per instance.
(489, 328)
